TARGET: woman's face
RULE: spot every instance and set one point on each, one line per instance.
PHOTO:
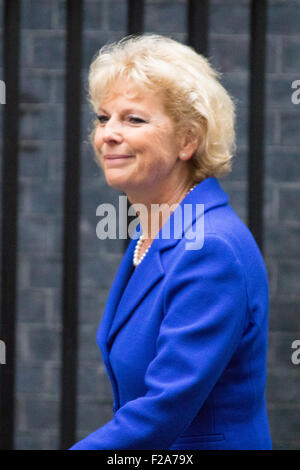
(137, 143)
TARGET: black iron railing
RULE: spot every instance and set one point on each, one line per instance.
(197, 27)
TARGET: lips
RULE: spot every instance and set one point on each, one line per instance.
(117, 157)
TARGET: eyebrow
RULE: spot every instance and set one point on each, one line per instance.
(126, 110)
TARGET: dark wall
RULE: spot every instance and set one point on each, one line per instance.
(39, 320)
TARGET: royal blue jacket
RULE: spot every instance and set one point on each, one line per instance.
(184, 339)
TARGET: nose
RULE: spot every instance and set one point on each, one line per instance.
(112, 132)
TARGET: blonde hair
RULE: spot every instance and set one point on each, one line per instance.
(193, 96)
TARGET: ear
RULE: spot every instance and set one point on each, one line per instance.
(189, 145)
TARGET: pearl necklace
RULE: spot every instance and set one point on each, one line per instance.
(136, 259)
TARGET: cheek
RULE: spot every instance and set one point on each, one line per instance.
(155, 143)
(165, 137)
(165, 147)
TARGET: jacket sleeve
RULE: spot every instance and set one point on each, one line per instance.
(205, 306)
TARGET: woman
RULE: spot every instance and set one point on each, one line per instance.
(184, 332)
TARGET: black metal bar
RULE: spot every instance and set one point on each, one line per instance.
(256, 119)
(198, 25)
(71, 219)
(135, 18)
(135, 25)
(9, 218)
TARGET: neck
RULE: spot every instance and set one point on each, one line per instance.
(154, 214)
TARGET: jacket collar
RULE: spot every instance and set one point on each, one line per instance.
(121, 303)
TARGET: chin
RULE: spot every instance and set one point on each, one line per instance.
(117, 181)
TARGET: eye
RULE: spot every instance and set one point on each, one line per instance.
(136, 120)
(102, 118)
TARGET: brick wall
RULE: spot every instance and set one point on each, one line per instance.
(40, 222)
(282, 221)
(282, 183)
(40, 202)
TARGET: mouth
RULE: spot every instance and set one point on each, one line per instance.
(117, 160)
(117, 157)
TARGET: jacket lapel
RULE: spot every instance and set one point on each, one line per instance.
(145, 276)
(114, 296)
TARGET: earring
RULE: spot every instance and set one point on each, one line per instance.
(183, 155)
